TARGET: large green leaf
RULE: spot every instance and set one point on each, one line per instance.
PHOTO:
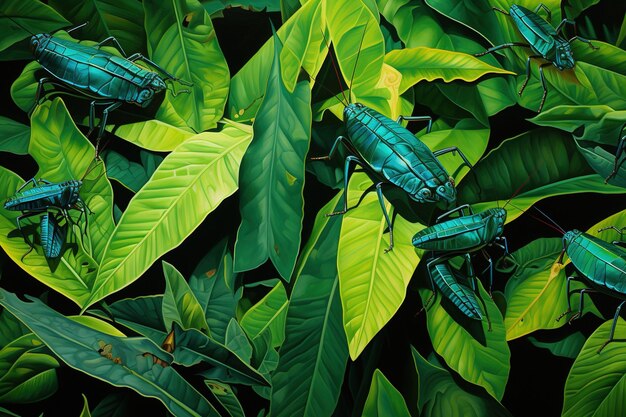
(182, 40)
(545, 161)
(63, 153)
(384, 399)
(213, 283)
(573, 8)
(22, 18)
(536, 293)
(192, 347)
(372, 282)
(269, 313)
(303, 47)
(419, 26)
(314, 343)
(27, 372)
(596, 383)
(440, 396)
(428, 64)
(180, 305)
(608, 57)
(355, 33)
(180, 194)
(14, 136)
(485, 363)
(593, 86)
(69, 278)
(272, 177)
(107, 18)
(122, 362)
(153, 135)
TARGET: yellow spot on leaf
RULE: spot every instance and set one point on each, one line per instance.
(241, 112)
(290, 178)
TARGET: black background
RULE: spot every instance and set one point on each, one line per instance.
(537, 378)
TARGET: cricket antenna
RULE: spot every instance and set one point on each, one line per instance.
(78, 27)
(516, 192)
(356, 62)
(332, 60)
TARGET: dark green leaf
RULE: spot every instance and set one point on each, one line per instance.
(22, 18)
(180, 305)
(131, 174)
(384, 399)
(568, 347)
(192, 347)
(27, 372)
(14, 136)
(440, 396)
(213, 283)
(272, 177)
(120, 361)
(107, 18)
(314, 340)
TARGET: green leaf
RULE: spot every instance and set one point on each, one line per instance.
(169, 207)
(66, 278)
(314, 340)
(153, 135)
(272, 177)
(180, 305)
(237, 341)
(592, 86)
(114, 404)
(26, 18)
(130, 364)
(573, 8)
(429, 64)
(372, 283)
(85, 412)
(14, 136)
(131, 175)
(303, 47)
(536, 293)
(107, 18)
(63, 153)
(24, 88)
(596, 382)
(193, 347)
(213, 283)
(468, 135)
(269, 313)
(608, 57)
(355, 32)
(27, 373)
(142, 314)
(568, 347)
(476, 15)
(384, 399)
(11, 327)
(603, 163)
(570, 117)
(481, 362)
(545, 161)
(182, 39)
(225, 395)
(440, 396)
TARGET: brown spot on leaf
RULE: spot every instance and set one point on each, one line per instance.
(210, 272)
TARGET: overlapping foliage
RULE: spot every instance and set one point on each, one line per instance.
(296, 313)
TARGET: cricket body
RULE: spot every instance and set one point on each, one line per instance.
(108, 79)
(460, 236)
(52, 235)
(601, 265)
(453, 288)
(543, 40)
(393, 158)
(52, 201)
